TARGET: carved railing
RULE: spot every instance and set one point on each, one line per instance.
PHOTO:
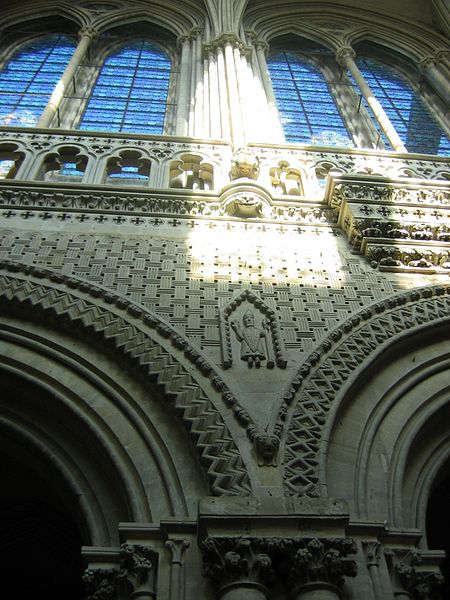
(160, 162)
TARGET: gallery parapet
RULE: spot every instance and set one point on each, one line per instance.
(165, 162)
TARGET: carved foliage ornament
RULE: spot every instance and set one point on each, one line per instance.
(296, 561)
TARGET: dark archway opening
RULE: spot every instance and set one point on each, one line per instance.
(438, 526)
(40, 553)
(41, 524)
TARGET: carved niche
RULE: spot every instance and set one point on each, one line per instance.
(250, 332)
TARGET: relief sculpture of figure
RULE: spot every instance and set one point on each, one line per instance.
(253, 340)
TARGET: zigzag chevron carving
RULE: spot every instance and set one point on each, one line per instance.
(344, 350)
(217, 451)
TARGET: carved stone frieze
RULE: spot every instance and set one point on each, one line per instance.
(68, 200)
(390, 228)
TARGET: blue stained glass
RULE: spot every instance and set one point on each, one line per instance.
(29, 78)
(138, 76)
(413, 121)
(307, 109)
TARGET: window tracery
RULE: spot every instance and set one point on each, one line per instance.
(408, 113)
(308, 111)
(29, 78)
(130, 94)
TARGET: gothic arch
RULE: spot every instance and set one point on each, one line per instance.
(69, 305)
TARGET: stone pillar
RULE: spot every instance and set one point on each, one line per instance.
(237, 130)
(183, 86)
(197, 92)
(429, 68)
(177, 574)
(345, 57)
(223, 94)
(316, 567)
(372, 551)
(215, 126)
(238, 566)
(86, 36)
(275, 121)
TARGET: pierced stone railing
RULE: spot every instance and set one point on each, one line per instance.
(159, 162)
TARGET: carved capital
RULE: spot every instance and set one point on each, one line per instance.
(343, 53)
(89, 32)
(138, 566)
(311, 560)
(100, 583)
(373, 553)
(226, 39)
(442, 56)
(236, 560)
(183, 40)
(427, 63)
(420, 584)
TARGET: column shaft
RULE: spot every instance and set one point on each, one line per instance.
(271, 100)
(183, 87)
(388, 129)
(66, 79)
(233, 97)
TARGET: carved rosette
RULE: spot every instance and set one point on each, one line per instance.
(100, 584)
(233, 563)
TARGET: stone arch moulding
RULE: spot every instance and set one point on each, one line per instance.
(322, 381)
(125, 326)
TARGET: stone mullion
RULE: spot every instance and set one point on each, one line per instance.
(86, 36)
(345, 57)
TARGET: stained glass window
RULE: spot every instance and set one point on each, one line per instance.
(30, 77)
(407, 112)
(307, 109)
(130, 94)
